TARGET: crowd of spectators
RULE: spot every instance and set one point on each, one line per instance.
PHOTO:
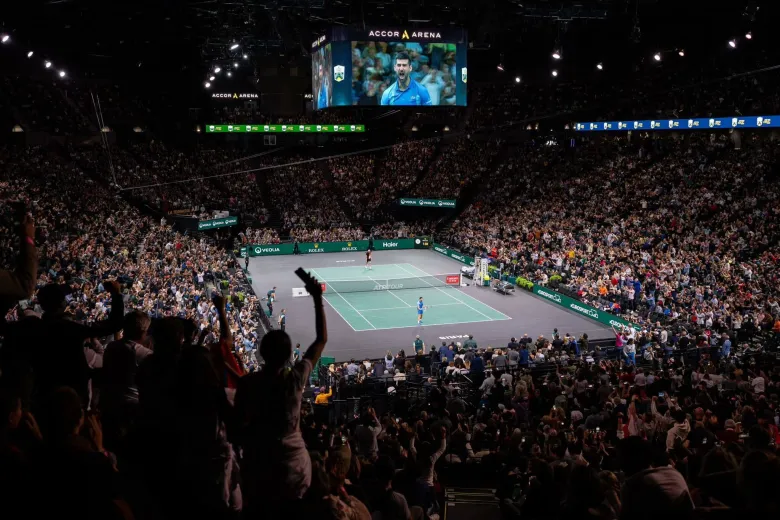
(687, 234)
(457, 164)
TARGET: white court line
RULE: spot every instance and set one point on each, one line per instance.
(460, 290)
(347, 301)
(397, 308)
(441, 290)
(391, 293)
(432, 324)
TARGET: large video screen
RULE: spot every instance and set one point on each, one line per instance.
(390, 68)
(321, 64)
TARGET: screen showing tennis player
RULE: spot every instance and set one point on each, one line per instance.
(321, 66)
(405, 74)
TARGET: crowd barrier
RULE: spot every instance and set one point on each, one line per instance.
(308, 248)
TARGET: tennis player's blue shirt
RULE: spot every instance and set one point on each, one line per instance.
(415, 94)
(419, 307)
(322, 98)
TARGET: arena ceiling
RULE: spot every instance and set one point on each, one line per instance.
(176, 38)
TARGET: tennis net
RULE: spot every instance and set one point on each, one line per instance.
(393, 284)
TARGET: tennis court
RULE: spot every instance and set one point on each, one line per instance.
(385, 297)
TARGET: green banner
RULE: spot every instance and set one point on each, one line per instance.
(453, 254)
(306, 248)
(400, 243)
(285, 129)
(577, 306)
(217, 223)
(428, 203)
(270, 249)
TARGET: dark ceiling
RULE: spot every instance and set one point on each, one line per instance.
(176, 39)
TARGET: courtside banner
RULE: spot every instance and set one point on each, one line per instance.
(455, 255)
(313, 248)
(217, 223)
(428, 203)
(582, 309)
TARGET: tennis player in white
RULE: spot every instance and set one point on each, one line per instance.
(420, 307)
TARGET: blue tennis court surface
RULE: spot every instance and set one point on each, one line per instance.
(386, 296)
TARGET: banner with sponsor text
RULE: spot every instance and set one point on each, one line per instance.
(455, 255)
(428, 203)
(701, 123)
(577, 306)
(217, 223)
(307, 248)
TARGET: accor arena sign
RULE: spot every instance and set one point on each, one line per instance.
(405, 34)
(235, 95)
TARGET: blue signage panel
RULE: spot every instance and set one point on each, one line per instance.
(681, 124)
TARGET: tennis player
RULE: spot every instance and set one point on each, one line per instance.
(420, 308)
(368, 259)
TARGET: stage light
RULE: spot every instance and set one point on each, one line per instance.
(211, 78)
(234, 47)
(229, 74)
(500, 67)
(29, 54)
(555, 73)
(600, 66)
(733, 44)
(62, 73)
(246, 57)
(657, 56)
(681, 53)
(556, 54)
(749, 36)
(235, 65)
(216, 70)
(517, 79)
(208, 85)
(47, 64)
(5, 38)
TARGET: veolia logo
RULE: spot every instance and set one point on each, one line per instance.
(387, 287)
(259, 250)
(554, 297)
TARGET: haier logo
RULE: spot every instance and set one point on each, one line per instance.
(389, 245)
(554, 297)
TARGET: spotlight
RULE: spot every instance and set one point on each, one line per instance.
(229, 74)
(235, 65)
(5, 38)
(556, 54)
(62, 73)
(681, 53)
(555, 73)
(733, 44)
(749, 36)
(517, 79)
(208, 85)
(29, 54)
(600, 66)
(216, 71)
(234, 47)
(47, 64)
(211, 78)
(500, 67)
(246, 57)
(657, 56)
